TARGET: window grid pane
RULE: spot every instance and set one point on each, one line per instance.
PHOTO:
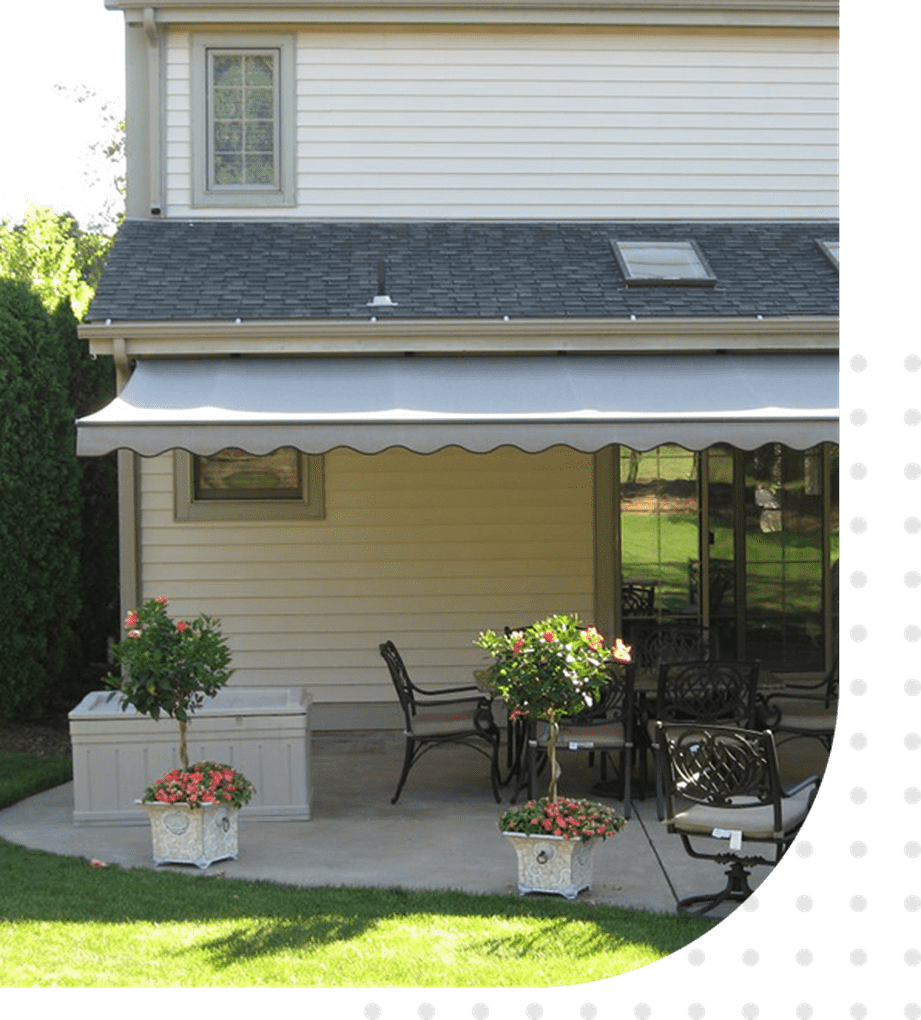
(243, 103)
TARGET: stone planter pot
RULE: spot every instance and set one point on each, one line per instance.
(552, 864)
(185, 835)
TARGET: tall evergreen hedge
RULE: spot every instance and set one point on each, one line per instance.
(40, 526)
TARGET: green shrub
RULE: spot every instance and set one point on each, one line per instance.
(39, 509)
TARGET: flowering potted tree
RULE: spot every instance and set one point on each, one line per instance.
(170, 667)
(555, 668)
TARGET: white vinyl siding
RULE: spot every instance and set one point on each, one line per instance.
(564, 124)
(422, 550)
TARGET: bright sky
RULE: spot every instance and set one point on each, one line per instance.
(67, 42)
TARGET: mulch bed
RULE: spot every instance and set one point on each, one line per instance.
(48, 737)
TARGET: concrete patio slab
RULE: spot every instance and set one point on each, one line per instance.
(441, 834)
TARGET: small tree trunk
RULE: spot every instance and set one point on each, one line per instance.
(183, 752)
(553, 731)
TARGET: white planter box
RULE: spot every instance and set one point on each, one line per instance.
(552, 864)
(199, 836)
(263, 732)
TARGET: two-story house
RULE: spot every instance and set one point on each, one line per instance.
(430, 318)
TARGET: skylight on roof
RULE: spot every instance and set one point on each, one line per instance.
(652, 262)
(831, 251)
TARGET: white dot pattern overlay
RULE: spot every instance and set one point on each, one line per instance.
(835, 930)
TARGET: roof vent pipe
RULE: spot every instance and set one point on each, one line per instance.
(382, 298)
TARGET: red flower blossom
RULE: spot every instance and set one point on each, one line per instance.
(182, 625)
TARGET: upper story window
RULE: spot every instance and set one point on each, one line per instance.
(662, 262)
(243, 120)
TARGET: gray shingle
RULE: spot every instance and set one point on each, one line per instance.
(220, 270)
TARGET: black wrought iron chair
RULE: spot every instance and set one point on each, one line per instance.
(605, 728)
(805, 710)
(723, 783)
(434, 720)
(637, 600)
(718, 693)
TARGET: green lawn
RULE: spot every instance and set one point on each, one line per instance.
(65, 923)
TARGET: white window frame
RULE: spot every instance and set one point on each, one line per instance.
(310, 506)
(708, 279)
(282, 192)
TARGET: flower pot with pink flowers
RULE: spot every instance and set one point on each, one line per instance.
(554, 669)
(170, 666)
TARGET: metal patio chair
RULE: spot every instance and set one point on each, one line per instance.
(805, 710)
(723, 783)
(433, 720)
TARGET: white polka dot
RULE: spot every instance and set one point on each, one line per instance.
(750, 1011)
(642, 1011)
(426, 1011)
(858, 416)
(912, 741)
(481, 1011)
(804, 957)
(804, 1011)
(858, 363)
(912, 848)
(912, 579)
(858, 958)
(858, 579)
(858, 525)
(912, 903)
(534, 1011)
(858, 1011)
(858, 741)
(751, 904)
(912, 525)
(912, 416)
(804, 848)
(804, 903)
(911, 687)
(750, 957)
(912, 795)
(859, 471)
(912, 632)
(696, 1011)
(372, 1011)
(696, 957)
(589, 1011)
(912, 957)
(912, 362)
(858, 687)
(912, 472)
(858, 903)
(859, 795)
(858, 849)
(912, 1011)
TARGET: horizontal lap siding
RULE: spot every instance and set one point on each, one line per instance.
(424, 551)
(558, 125)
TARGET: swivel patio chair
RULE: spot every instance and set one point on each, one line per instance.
(718, 693)
(805, 710)
(433, 720)
(723, 782)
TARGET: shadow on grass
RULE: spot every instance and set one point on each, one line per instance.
(274, 919)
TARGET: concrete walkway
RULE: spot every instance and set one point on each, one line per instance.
(441, 834)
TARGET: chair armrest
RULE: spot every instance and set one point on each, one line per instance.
(446, 690)
(802, 785)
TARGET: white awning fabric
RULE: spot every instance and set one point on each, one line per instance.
(478, 403)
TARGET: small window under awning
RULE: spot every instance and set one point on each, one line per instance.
(424, 404)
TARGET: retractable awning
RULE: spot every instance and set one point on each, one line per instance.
(478, 403)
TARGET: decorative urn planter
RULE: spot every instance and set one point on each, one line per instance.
(197, 835)
(552, 864)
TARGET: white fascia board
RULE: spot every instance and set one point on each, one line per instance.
(674, 13)
(459, 336)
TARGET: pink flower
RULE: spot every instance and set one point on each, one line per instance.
(134, 633)
(161, 600)
(182, 625)
(131, 619)
(518, 645)
(549, 636)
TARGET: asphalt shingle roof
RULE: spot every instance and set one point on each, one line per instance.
(220, 270)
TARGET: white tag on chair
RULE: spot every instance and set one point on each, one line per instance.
(585, 745)
(733, 835)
